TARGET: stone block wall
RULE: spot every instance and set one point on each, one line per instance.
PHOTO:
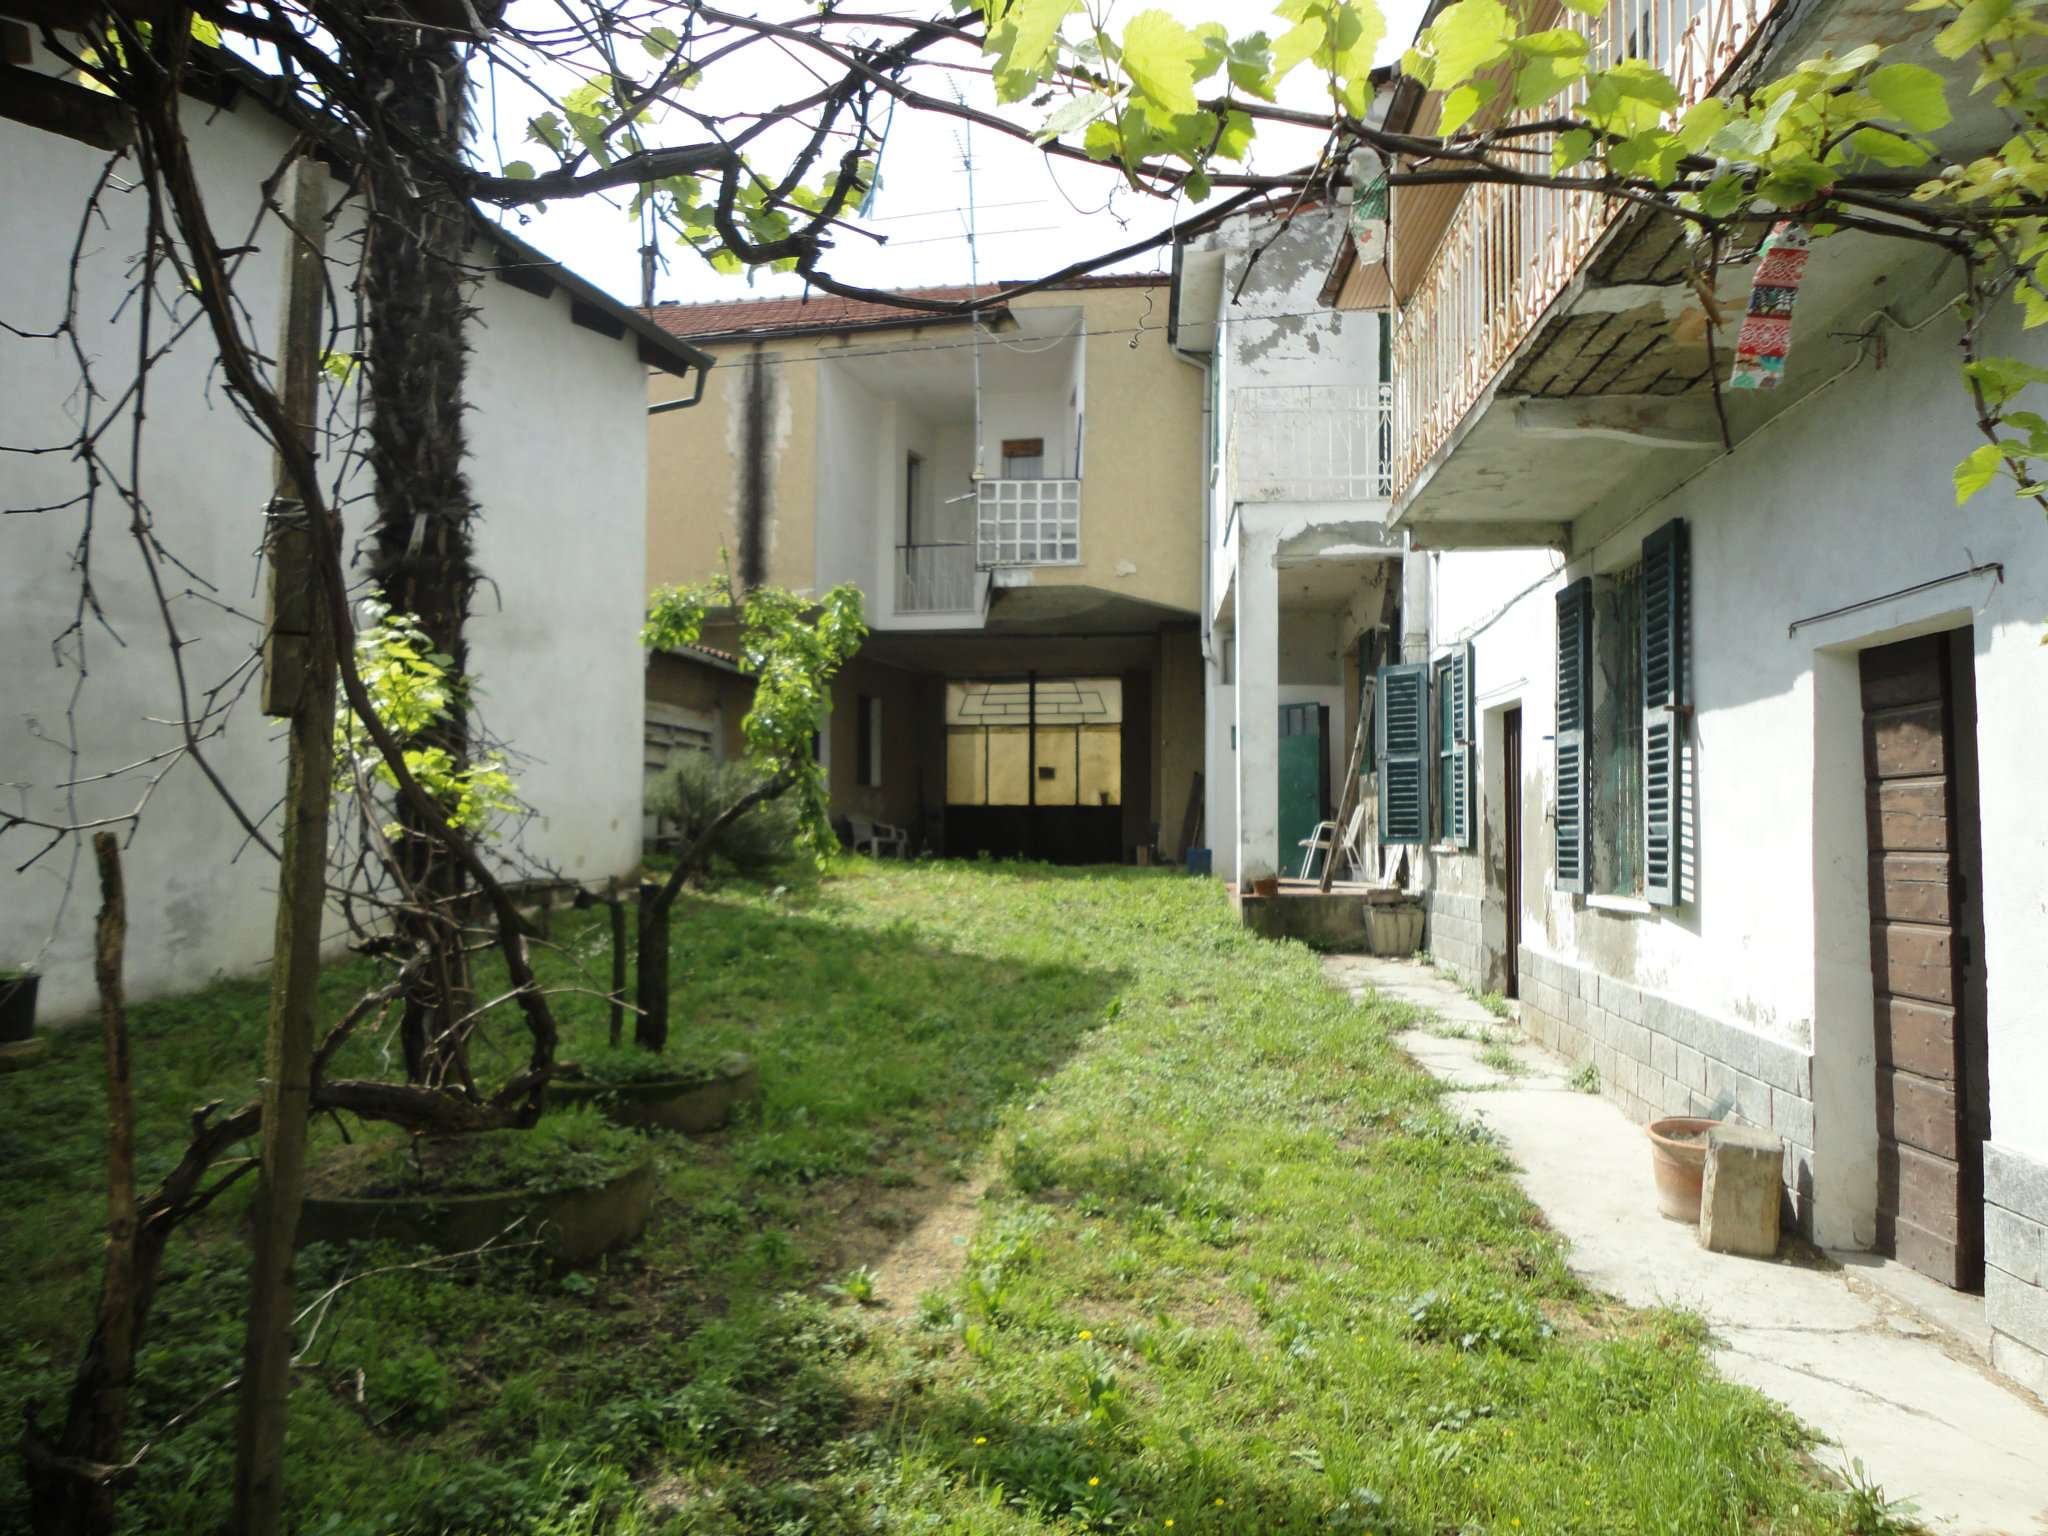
(1657, 1057)
(2016, 1264)
(1453, 937)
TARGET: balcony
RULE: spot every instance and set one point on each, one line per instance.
(1027, 522)
(1311, 442)
(937, 578)
(1507, 255)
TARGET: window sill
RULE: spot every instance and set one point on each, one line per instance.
(1452, 848)
(1632, 904)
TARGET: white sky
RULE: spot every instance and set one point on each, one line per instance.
(1033, 214)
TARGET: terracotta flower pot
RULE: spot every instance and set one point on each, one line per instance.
(1266, 885)
(1678, 1158)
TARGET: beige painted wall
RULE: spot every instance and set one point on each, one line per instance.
(1141, 493)
(1141, 456)
(693, 470)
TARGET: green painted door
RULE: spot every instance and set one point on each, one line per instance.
(1304, 778)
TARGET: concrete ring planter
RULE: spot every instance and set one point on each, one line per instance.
(573, 1226)
(694, 1104)
(1678, 1158)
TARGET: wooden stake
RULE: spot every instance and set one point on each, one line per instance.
(617, 905)
(299, 683)
(1365, 687)
(117, 1291)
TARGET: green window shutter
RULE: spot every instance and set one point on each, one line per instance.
(1401, 732)
(1664, 625)
(1461, 817)
(1574, 738)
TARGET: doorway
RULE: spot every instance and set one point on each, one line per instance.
(1036, 767)
(1304, 777)
(1511, 852)
(1926, 946)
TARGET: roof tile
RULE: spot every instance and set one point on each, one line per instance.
(830, 312)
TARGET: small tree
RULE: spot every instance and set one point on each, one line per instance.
(792, 647)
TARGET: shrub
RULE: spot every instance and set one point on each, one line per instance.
(694, 789)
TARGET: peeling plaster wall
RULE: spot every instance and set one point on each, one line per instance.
(557, 460)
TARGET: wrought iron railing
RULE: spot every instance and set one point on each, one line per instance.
(1510, 251)
(1309, 442)
(935, 578)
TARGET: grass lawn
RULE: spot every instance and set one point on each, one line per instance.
(1068, 1207)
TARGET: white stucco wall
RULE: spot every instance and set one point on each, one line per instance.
(1844, 498)
(1272, 333)
(851, 432)
(558, 461)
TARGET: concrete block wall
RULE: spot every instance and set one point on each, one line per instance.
(1453, 935)
(2016, 1264)
(1657, 1057)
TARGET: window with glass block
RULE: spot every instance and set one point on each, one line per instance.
(1029, 522)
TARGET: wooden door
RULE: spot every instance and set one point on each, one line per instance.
(1511, 833)
(1930, 1166)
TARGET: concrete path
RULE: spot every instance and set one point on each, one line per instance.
(1885, 1364)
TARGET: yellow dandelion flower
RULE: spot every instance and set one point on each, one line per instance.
(1514, 1520)
(1093, 1481)
(1087, 1333)
(1169, 1519)
(1219, 1503)
(981, 1439)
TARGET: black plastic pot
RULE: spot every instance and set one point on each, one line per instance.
(17, 1005)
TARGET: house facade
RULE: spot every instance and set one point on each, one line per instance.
(556, 421)
(1017, 501)
(1744, 705)
(1302, 574)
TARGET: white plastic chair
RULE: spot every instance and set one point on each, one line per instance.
(878, 838)
(1324, 841)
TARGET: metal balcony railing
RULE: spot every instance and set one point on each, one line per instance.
(1310, 442)
(1028, 522)
(935, 578)
(1509, 251)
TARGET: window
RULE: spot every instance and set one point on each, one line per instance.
(1453, 820)
(867, 762)
(1620, 759)
(913, 496)
(1615, 755)
(1574, 661)
(1042, 741)
(1401, 733)
(1024, 458)
(1666, 602)
(1028, 522)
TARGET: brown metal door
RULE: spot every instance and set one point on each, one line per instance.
(1511, 835)
(1930, 1209)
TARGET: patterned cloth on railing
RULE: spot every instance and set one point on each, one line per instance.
(1767, 328)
